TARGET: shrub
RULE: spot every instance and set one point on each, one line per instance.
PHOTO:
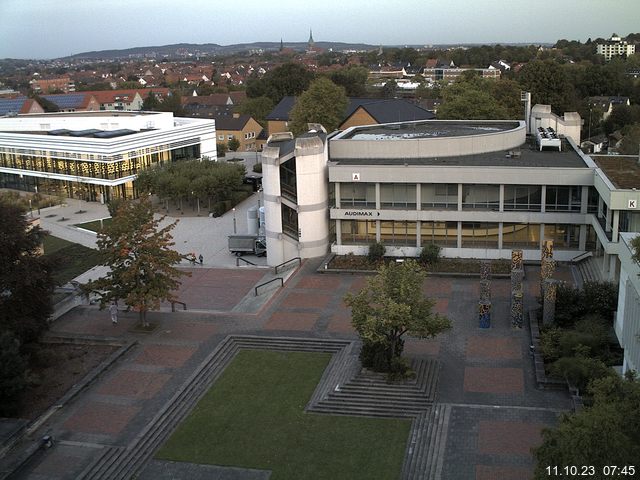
(376, 252)
(600, 298)
(430, 254)
(580, 370)
(257, 167)
(221, 149)
(569, 307)
(377, 356)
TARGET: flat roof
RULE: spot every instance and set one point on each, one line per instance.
(623, 171)
(527, 155)
(428, 129)
(98, 113)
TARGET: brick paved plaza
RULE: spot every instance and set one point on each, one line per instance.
(486, 375)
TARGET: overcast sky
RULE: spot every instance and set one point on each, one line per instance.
(56, 28)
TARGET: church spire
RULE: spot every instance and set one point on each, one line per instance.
(281, 45)
(311, 42)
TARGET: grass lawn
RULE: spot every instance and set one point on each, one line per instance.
(94, 225)
(71, 259)
(253, 417)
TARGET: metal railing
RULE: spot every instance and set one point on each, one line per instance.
(579, 258)
(173, 305)
(298, 259)
(245, 261)
(267, 283)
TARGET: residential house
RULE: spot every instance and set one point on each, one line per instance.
(615, 47)
(607, 104)
(127, 100)
(241, 127)
(61, 84)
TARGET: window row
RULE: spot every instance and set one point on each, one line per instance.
(445, 196)
(472, 234)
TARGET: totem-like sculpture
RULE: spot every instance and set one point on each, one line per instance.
(484, 305)
(549, 302)
(517, 292)
(547, 264)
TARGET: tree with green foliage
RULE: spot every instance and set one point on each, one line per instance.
(549, 85)
(389, 89)
(631, 140)
(26, 282)
(151, 103)
(324, 102)
(288, 79)
(391, 305)
(258, 108)
(607, 433)
(635, 248)
(353, 78)
(470, 98)
(13, 368)
(141, 262)
(233, 144)
(221, 149)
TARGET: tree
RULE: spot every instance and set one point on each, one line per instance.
(233, 144)
(470, 99)
(389, 89)
(141, 262)
(608, 433)
(324, 103)
(631, 140)
(392, 305)
(258, 108)
(26, 283)
(151, 103)
(549, 85)
(353, 78)
(13, 368)
(221, 149)
(288, 79)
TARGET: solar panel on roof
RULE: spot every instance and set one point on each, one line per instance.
(8, 105)
(71, 100)
(114, 133)
(84, 133)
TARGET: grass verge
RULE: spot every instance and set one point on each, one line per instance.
(70, 259)
(253, 417)
(94, 225)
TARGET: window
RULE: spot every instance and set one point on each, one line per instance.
(288, 184)
(229, 137)
(358, 232)
(290, 221)
(521, 235)
(444, 234)
(522, 197)
(563, 199)
(592, 202)
(398, 195)
(398, 233)
(439, 196)
(480, 197)
(220, 137)
(479, 235)
(357, 195)
(563, 236)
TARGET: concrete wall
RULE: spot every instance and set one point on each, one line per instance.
(627, 320)
(429, 147)
(569, 125)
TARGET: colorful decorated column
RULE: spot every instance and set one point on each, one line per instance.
(549, 302)
(517, 291)
(484, 305)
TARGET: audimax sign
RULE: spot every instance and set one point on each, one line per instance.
(361, 213)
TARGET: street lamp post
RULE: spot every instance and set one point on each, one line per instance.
(234, 221)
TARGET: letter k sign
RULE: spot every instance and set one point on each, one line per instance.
(633, 204)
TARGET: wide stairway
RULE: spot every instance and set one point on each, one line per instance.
(590, 269)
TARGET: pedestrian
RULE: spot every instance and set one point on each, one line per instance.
(113, 310)
(201, 258)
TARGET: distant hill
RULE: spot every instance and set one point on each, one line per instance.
(194, 49)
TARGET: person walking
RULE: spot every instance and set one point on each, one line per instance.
(113, 310)
(201, 258)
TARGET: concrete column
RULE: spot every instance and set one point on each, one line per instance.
(500, 235)
(584, 200)
(600, 204)
(459, 234)
(338, 194)
(459, 199)
(613, 264)
(607, 227)
(543, 199)
(542, 239)
(582, 242)
(338, 231)
(418, 197)
(378, 229)
(418, 233)
(616, 225)
(378, 204)
(501, 203)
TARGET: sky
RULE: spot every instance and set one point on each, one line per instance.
(55, 28)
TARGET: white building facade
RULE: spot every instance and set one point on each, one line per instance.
(96, 155)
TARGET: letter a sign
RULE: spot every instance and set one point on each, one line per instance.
(355, 177)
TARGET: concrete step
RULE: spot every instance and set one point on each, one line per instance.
(369, 411)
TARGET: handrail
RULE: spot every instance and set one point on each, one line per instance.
(245, 261)
(288, 261)
(580, 257)
(267, 283)
(173, 305)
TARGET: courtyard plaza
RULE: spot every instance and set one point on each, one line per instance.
(486, 379)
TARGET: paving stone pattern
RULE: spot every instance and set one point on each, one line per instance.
(479, 423)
